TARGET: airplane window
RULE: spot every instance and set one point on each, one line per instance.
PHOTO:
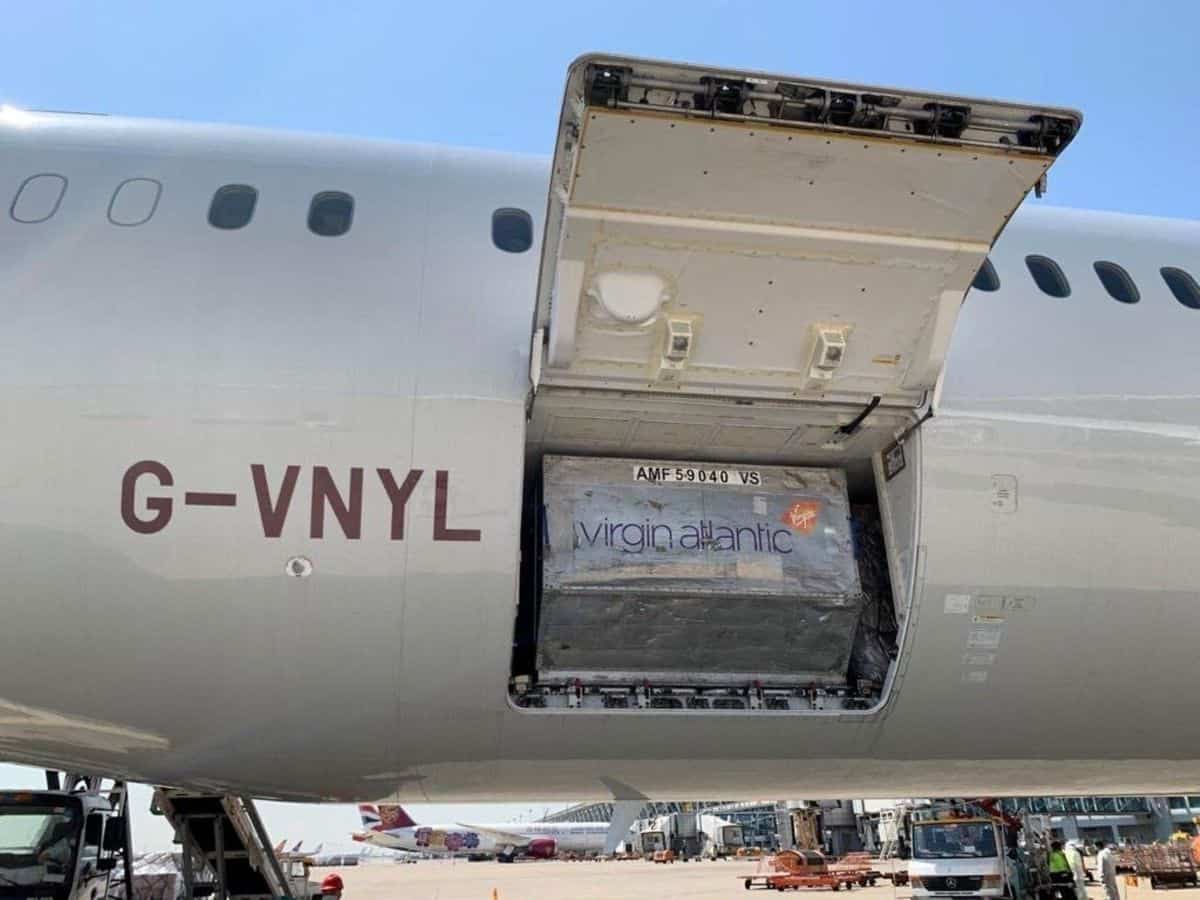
(512, 230)
(134, 201)
(232, 206)
(38, 198)
(330, 213)
(1183, 286)
(1117, 282)
(986, 278)
(1048, 276)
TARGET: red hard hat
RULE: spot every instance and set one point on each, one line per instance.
(332, 884)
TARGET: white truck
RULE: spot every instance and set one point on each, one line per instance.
(957, 857)
(655, 836)
(60, 844)
(719, 837)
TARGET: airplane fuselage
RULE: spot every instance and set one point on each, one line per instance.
(262, 498)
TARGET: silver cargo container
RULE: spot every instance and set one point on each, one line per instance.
(695, 574)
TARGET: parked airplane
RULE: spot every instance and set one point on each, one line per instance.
(286, 415)
(315, 856)
(320, 856)
(388, 825)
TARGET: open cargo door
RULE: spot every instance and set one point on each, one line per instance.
(753, 236)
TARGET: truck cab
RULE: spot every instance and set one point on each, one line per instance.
(957, 857)
(720, 837)
(56, 844)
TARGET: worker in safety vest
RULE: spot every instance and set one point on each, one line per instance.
(1061, 875)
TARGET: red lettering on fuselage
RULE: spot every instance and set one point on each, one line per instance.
(273, 515)
(348, 513)
(331, 492)
(441, 499)
(160, 506)
(398, 496)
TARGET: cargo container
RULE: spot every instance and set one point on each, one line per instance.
(665, 584)
(684, 574)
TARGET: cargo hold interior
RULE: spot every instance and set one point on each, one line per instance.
(709, 647)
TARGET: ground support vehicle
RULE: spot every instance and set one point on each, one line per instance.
(68, 842)
(1166, 865)
(796, 869)
(856, 866)
(955, 855)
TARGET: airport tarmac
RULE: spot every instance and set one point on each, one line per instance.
(553, 880)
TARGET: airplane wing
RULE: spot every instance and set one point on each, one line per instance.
(502, 838)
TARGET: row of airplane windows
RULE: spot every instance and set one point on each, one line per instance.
(330, 213)
(1050, 278)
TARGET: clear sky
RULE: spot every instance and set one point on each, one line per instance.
(489, 74)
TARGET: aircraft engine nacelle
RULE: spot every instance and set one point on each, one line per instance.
(542, 848)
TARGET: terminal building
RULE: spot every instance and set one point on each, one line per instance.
(769, 824)
(1133, 819)
(846, 826)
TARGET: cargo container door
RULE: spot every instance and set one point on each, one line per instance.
(743, 235)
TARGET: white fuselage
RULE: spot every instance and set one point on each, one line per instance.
(195, 651)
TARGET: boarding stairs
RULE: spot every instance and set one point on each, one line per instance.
(225, 848)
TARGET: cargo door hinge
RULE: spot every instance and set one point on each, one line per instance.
(842, 432)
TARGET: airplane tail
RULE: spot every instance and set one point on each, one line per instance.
(384, 816)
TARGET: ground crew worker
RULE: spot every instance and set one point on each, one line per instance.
(1106, 870)
(1061, 875)
(1075, 856)
(332, 886)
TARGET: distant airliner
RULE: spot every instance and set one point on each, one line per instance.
(388, 825)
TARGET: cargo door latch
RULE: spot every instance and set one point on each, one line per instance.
(678, 341)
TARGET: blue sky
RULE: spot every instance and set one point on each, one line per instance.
(490, 75)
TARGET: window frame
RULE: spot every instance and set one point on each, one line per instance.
(226, 190)
(323, 196)
(1122, 276)
(1051, 267)
(34, 180)
(116, 196)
